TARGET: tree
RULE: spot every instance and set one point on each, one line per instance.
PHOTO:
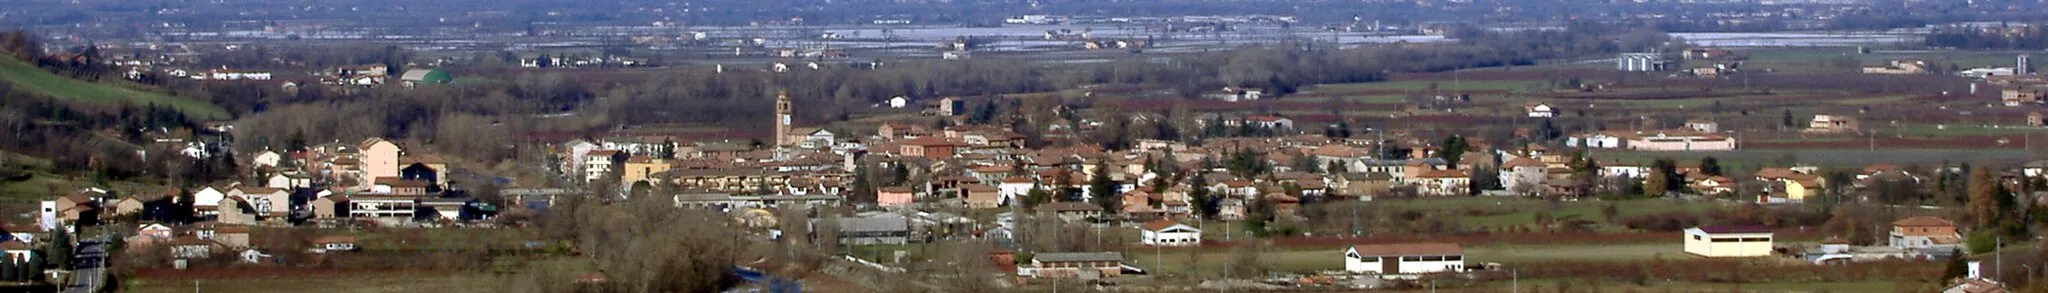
(1983, 204)
(1955, 267)
(60, 248)
(1787, 120)
(1036, 196)
(1710, 166)
(1104, 190)
(1206, 205)
(1452, 150)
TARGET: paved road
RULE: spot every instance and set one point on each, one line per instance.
(89, 267)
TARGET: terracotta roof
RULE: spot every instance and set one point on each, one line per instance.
(929, 141)
(1160, 224)
(1408, 249)
(1924, 221)
(1017, 179)
(1523, 162)
(895, 189)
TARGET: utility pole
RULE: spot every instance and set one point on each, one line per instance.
(1515, 284)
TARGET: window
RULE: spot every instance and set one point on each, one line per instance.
(1454, 258)
(1695, 237)
(1411, 258)
(1432, 258)
(1719, 240)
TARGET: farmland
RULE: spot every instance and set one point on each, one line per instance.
(27, 76)
(309, 280)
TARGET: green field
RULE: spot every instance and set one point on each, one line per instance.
(1419, 85)
(26, 76)
(425, 282)
(1497, 213)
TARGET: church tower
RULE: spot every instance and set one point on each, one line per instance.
(782, 120)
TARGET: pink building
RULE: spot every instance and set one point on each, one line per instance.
(893, 196)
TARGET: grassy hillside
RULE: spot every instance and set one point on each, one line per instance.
(26, 76)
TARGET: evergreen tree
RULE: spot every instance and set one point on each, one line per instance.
(1036, 196)
(1206, 205)
(1710, 166)
(60, 248)
(1103, 189)
(1452, 150)
(1955, 267)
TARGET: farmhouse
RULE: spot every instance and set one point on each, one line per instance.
(1407, 258)
(1924, 232)
(1163, 232)
(1084, 265)
(1831, 123)
(1728, 241)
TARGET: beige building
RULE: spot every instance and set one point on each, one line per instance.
(379, 158)
(1728, 241)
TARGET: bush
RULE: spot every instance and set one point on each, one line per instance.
(1982, 241)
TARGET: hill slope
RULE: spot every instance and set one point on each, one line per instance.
(26, 76)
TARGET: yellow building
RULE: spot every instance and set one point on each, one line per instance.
(1728, 241)
(641, 168)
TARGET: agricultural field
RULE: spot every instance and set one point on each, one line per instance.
(310, 281)
(26, 76)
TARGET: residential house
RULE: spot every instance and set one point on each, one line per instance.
(1449, 182)
(266, 159)
(268, 202)
(1015, 187)
(642, 169)
(1081, 265)
(1524, 176)
(1072, 211)
(191, 247)
(329, 207)
(236, 211)
(17, 250)
(1823, 123)
(1598, 140)
(2016, 96)
(980, 196)
(1404, 258)
(1714, 185)
(929, 147)
(894, 196)
(1925, 232)
(1728, 241)
(1269, 122)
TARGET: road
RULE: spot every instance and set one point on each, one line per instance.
(89, 267)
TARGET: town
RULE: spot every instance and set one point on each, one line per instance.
(1039, 146)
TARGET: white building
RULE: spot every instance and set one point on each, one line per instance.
(1542, 111)
(1594, 140)
(1641, 62)
(899, 102)
(1164, 232)
(1015, 187)
(1406, 258)
(1728, 241)
(597, 164)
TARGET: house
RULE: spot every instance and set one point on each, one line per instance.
(1977, 285)
(1714, 185)
(982, 196)
(1541, 111)
(334, 243)
(876, 229)
(894, 196)
(1449, 182)
(1072, 211)
(820, 138)
(1163, 232)
(190, 246)
(329, 207)
(1404, 258)
(268, 202)
(266, 158)
(1523, 175)
(234, 210)
(1015, 187)
(1728, 241)
(2015, 96)
(17, 250)
(155, 230)
(1824, 123)
(1598, 140)
(1081, 265)
(1703, 126)
(1925, 232)
(899, 102)
(929, 147)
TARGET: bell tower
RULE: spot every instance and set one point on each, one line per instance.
(782, 120)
